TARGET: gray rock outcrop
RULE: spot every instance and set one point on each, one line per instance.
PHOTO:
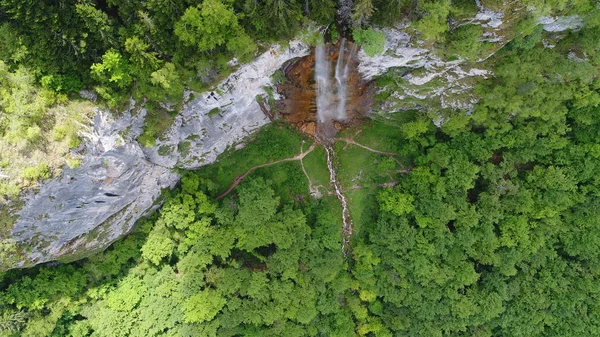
(224, 117)
(85, 209)
(89, 207)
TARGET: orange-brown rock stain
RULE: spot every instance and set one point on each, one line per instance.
(299, 106)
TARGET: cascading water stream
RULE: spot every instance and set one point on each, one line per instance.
(341, 78)
(323, 84)
(342, 71)
(347, 221)
(331, 99)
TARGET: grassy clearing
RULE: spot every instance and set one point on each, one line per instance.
(360, 171)
(287, 179)
(378, 136)
(363, 208)
(274, 142)
(353, 163)
(315, 164)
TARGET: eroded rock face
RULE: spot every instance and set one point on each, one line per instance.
(298, 104)
(89, 207)
(86, 209)
(224, 117)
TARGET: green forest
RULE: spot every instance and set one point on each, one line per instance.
(490, 225)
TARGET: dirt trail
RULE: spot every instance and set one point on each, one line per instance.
(239, 179)
(391, 154)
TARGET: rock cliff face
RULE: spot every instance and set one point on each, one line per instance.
(298, 104)
(89, 207)
(86, 209)
(223, 117)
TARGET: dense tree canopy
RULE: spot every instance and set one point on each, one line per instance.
(493, 230)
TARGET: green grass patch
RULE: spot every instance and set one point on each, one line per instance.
(288, 181)
(213, 112)
(360, 171)
(164, 150)
(274, 142)
(362, 204)
(158, 121)
(184, 148)
(315, 164)
(379, 136)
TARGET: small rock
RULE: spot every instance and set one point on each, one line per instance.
(309, 128)
(90, 95)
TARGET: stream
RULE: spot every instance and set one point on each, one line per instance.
(347, 221)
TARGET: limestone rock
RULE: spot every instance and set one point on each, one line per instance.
(224, 117)
(89, 207)
(84, 210)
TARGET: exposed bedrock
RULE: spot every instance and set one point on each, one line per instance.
(84, 210)
(332, 86)
(223, 117)
(89, 207)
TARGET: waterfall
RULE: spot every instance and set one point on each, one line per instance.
(331, 106)
(342, 71)
(331, 99)
(341, 74)
(323, 84)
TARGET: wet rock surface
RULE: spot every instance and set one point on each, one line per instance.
(299, 99)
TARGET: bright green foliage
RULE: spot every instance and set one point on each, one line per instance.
(242, 47)
(166, 77)
(210, 25)
(114, 70)
(158, 246)
(363, 10)
(395, 202)
(140, 56)
(434, 15)
(37, 126)
(496, 206)
(36, 172)
(372, 42)
(23, 104)
(61, 83)
(203, 306)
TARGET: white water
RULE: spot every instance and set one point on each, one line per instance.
(322, 71)
(331, 99)
(347, 227)
(341, 76)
